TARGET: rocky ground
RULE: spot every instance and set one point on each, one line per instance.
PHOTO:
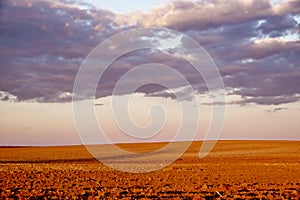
(233, 170)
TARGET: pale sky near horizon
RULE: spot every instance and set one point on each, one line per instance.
(255, 45)
(52, 123)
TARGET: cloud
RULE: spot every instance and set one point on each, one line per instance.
(254, 44)
(268, 47)
(268, 100)
(275, 109)
(202, 15)
(43, 44)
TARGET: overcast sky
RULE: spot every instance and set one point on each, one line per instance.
(254, 44)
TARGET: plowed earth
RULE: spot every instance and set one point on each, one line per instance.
(233, 170)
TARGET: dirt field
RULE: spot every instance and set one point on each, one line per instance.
(233, 170)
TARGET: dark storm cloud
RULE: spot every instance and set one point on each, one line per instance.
(44, 42)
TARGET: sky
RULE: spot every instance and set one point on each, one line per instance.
(255, 46)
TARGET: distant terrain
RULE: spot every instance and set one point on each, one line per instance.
(234, 169)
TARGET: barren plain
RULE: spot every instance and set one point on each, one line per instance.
(233, 170)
